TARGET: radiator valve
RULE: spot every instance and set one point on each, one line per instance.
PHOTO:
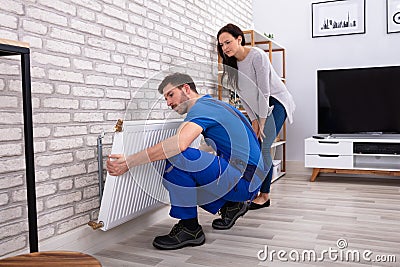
(95, 225)
(118, 126)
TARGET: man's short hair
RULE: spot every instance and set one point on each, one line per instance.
(177, 80)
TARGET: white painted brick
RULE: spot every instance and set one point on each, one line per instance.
(86, 14)
(101, 43)
(59, 5)
(153, 16)
(118, 94)
(8, 21)
(10, 134)
(110, 22)
(90, 192)
(10, 118)
(70, 130)
(118, 59)
(54, 216)
(32, 26)
(70, 224)
(117, 36)
(45, 233)
(138, 9)
(116, 13)
(85, 181)
(136, 19)
(137, 62)
(88, 104)
(111, 104)
(34, 42)
(133, 72)
(41, 132)
(47, 16)
(65, 185)
(108, 68)
(42, 175)
(43, 190)
(38, 72)
(11, 35)
(97, 54)
(63, 89)
(9, 69)
(7, 150)
(9, 102)
(61, 75)
(65, 143)
(127, 49)
(50, 59)
(89, 4)
(155, 47)
(67, 171)
(88, 117)
(86, 206)
(142, 32)
(154, 66)
(87, 91)
(39, 146)
(51, 117)
(85, 154)
(63, 199)
(7, 214)
(4, 199)
(11, 181)
(13, 7)
(42, 88)
(60, 103)
(67, 35)
(62, 47)
(53, 159)
(99, 80)
(13, 244)
(121, 82)
(82, 64)
(86, 27)
(1, 84)
(130, 28)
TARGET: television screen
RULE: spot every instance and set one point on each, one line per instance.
(357, 101)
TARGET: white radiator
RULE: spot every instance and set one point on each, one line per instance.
(140, 189)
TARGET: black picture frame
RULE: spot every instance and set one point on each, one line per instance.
(340, 17)
(392, 16)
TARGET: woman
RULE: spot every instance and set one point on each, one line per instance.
(263, 94)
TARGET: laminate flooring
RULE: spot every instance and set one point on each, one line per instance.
(362, 214)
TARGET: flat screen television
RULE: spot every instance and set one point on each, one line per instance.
(359, 100)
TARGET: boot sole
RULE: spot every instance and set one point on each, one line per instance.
(194, 242)
(229, 226)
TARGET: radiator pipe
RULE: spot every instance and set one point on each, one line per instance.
(95, 225)
(100, 164)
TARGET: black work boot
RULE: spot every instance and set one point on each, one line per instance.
(229, 215)
(180, 237)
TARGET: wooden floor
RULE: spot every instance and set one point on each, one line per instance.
(365, 212)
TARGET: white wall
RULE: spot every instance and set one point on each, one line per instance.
(290, 22)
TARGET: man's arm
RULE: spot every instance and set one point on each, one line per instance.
(187, 133)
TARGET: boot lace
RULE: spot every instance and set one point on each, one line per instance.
(175, 229)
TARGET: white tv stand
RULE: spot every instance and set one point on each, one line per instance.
(358, 155)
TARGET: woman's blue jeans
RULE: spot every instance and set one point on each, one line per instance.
(272, 128)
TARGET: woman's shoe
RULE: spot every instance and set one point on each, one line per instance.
(255, 206)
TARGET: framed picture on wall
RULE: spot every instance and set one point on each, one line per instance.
(340, 17)
(393, 15)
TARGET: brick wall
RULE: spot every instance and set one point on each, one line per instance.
(92, 62)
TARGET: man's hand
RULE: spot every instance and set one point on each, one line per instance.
(116, 164)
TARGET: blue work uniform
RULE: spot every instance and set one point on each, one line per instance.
(197, 178)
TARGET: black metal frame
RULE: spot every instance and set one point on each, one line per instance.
(7, 50)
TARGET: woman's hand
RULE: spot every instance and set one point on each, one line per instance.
(116, 164)
(258, 127)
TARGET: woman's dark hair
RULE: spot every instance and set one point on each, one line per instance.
(230, 63)
(178, 80)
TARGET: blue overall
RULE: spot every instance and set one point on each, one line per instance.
(197, 178)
